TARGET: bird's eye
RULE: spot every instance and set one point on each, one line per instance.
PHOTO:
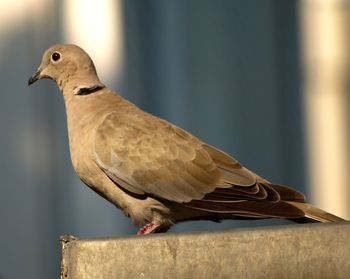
(55, 56)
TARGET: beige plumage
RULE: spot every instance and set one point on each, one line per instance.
(157, 173)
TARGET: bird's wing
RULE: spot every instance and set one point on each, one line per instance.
(147, 155)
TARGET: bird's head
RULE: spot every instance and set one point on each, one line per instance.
(70, 67)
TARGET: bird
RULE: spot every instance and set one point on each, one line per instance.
(155, 172)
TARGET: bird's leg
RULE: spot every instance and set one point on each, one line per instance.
(148, 228)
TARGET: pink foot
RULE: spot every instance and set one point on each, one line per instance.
(148, 228)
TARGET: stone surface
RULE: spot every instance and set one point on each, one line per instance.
(295, 251)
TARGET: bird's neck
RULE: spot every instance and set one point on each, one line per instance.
(84, 109)
(74, 86)
(89, 104)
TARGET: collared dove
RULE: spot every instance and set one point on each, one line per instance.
(156, 172)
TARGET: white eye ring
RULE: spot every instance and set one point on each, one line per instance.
(55, 56)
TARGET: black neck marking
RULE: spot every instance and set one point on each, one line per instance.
(89, 90)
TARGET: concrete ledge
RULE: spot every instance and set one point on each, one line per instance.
(295, 251)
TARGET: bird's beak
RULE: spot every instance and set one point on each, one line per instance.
(34, 77)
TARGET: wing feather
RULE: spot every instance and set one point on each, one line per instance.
(152, 156)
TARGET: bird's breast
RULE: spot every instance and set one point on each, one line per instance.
(82, 126)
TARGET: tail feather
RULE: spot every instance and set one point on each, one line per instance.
(263, 200)
(261, 209)
(315, 213)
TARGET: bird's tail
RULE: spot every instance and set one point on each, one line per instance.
(314, 213)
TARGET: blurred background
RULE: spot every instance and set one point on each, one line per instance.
(266, 81)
